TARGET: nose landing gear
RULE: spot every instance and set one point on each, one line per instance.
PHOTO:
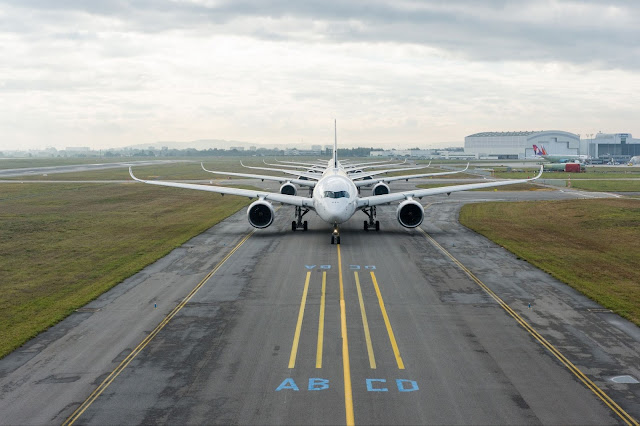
(335, 235)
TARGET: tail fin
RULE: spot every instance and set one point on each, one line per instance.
(544, 151)
(335, 144)
(536, 151)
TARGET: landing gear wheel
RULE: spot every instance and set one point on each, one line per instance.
(332, 239)
(338, 240)
(304, 225)
(366, 225)
(377, 225)
(293, 225)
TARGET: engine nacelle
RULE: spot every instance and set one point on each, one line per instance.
(288, 188)
(260, 214)
(410, 213)
(380, 188)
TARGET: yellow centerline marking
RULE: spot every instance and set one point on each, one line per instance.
(348, 394)
(106, 382)
(392, 337)
(570, 366)
(365, 323)
(321, 321)
(296, 336)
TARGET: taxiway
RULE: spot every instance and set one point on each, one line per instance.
(435, 325)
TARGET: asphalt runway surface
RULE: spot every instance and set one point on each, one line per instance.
(435, 325)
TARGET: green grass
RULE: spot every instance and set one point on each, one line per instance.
(589, 174)
(514, 187)
(607, 185)
(592, 245)
(190, 169)
(62, 245)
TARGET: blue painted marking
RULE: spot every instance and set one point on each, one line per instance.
(155, 305)
(402, 388)
(287, 384)
(325, 266)
(318, 384)
(354, 267)
(370, 267)
(309, 266)
(370, 387)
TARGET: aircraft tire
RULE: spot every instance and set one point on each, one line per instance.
(366, 226)
(293, 225)
(304, 225)
(377, 225)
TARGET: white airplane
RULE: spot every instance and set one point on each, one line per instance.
(559, 158)
(335, 197)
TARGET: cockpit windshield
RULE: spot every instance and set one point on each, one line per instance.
(336, 194)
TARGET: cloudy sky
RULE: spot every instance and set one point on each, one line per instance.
(393, 73)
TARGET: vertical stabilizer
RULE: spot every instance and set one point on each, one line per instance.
(335, 144)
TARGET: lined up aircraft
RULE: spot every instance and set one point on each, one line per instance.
(334, 193)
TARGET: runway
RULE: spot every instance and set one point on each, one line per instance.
(435, 325)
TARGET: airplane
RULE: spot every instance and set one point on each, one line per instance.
(569, 158)
(334, 196)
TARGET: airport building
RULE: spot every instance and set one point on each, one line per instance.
(514, 145)
(614, 146)
(519, 145)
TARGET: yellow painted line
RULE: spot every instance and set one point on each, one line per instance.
(626, 417)
(392, 337)
(111, 377)
(365, 323)
(348, 394)
(321, 321)
(296, 336)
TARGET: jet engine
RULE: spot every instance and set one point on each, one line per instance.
(260, 214)
(410, 213)
(380, 188)
(288, 188)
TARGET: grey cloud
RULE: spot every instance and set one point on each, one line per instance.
(487, 31)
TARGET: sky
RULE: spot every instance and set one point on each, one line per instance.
(399, 73)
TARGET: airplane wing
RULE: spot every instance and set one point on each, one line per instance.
(300, 163)
(405, 177)
(379, 172)
(308, 175)
(419, 193)
(371, 164)
(291, 167)
(263, 195)
(300, 182)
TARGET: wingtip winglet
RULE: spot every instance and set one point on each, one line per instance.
(131, 174)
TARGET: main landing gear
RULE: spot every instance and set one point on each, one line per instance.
(298, 223)
(371, 224)
(335, 235)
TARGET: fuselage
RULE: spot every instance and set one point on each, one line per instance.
(335, 196)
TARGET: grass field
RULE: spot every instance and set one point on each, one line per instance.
(592, 245)
(183, 169)
(514, 187)
(62, 245)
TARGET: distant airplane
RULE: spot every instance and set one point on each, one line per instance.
(542, 152)
(335, 195)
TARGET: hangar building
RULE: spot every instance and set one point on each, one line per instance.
(514, 145)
